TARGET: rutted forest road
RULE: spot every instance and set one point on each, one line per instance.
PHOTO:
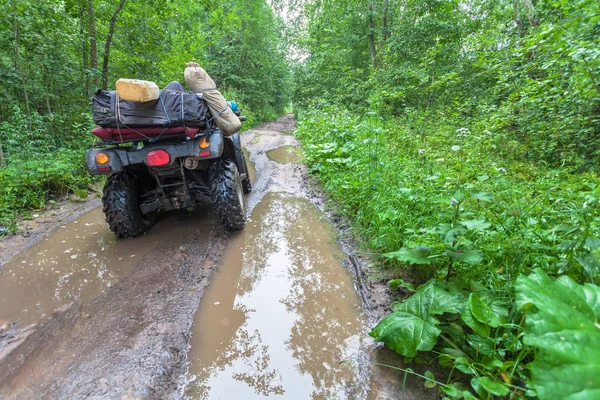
(191, 311)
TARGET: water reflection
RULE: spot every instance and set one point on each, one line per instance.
(286, 155)
(280, 317)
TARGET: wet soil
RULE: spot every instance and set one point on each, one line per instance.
(278, 314)
(77, 263)
(31, 231)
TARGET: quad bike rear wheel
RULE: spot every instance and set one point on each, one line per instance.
(228, 194)
(120, 201)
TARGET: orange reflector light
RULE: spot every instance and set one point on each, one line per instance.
(157, 158)
(204, 144)
(102, 158)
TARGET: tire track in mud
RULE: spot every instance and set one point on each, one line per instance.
(131, 341)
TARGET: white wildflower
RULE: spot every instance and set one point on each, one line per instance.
(455, 148)
(454, 201)
(421, 151)
(502, 170)
(463, 132)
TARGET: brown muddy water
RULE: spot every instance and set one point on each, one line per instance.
(280, 318)
(78, 262)
(286, 155)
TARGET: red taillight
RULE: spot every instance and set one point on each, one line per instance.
(157, 158)
(204, 153)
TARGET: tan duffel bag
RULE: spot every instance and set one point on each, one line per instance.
(198, 80)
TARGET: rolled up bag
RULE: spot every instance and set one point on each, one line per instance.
(198, 80)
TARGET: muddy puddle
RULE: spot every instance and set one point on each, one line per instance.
(78, 262)
(286, 155)
(280, 318)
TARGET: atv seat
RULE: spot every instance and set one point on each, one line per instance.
(120, 135)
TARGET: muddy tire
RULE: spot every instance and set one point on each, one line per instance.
(246, 181)
(120, 201)
(228, 194)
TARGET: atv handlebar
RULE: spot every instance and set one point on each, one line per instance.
(242, 118)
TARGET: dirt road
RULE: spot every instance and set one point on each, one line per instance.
(191, 311)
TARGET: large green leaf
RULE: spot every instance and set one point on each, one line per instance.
(562, 321)
(476, 224)
(406, 333)
(471, 257)
(417, 255)
(431, 300)
(412, 326)
(480, 328)
(482, 311)
(487, 197)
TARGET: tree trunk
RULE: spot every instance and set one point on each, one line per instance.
(403, 10)
(18, 59)
(84, 54)
(93, 47)
(386, 29)
(372, 48)
(519, 18)
(111, 31)
(531, 14)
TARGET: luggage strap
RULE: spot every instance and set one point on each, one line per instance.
(140, 133)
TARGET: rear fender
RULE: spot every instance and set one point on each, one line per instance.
(121, 157)
(233, 151)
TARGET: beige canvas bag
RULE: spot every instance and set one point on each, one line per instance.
(198, 80)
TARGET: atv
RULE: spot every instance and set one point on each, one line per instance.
(155, 169)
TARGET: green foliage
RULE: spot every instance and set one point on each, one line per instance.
(40, 164)
(528, 75)
(563, 323)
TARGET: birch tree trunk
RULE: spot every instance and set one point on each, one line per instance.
(111, 32)
(372, 48)
(93, 45)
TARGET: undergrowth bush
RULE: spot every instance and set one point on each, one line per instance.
(457, 205)
(44, 157)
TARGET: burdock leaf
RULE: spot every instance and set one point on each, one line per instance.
(562, 322)
(412, 326)
(418, 255)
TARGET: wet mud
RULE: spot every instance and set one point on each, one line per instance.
(77, 263)
(280, 317)
(55, 215)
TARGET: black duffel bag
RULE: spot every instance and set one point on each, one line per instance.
(173, 108)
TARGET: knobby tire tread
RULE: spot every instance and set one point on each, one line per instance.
(224, 190)
(120, 206)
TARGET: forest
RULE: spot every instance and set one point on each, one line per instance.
(461, 138)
